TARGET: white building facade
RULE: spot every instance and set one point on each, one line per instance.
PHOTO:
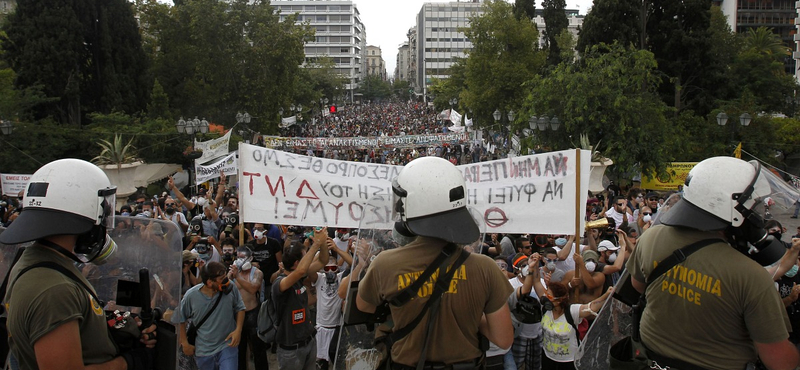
(340, 35)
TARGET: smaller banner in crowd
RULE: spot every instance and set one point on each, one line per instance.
(529, 194)
(213, 149)
(671, 181)
(455, 117)
(226, 165)
(365, 142)
(288, 121)
(12, 184)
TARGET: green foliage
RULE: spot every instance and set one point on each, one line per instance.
(86, 54)
(505, 54)
(788, 135)
(374, 88)
(555, 23)
(159, 102)
(612, 99)
(216, 58)
(319, 80)
(115, 152)
(611, 21)
(524, 9)
(402, 89)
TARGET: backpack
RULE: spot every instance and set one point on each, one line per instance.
(267, 328)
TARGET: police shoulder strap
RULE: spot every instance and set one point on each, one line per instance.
(677, 257)
(410, 291)
(63, 270)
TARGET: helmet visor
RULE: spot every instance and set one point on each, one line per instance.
(771, 191)
(108, 203)
(398, 193)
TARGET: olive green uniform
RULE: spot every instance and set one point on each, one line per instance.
(43, 299)
(478, 286)
(710, 309)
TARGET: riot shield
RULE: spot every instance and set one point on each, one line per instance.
(145, 247)
(612, 324)
(356, 348)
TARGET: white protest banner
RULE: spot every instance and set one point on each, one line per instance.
(364, 142)
(288, 121)
(210, 171)
(455, 117)
(12, 184)
(213, 148)
(529, 194)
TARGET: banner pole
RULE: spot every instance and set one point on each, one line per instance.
(239, 191)
(577, 196)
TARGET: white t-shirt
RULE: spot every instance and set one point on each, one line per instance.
(560, 340)
(329, 305)
(528, 331)
(179, 219)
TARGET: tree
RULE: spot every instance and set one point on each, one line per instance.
(402, 89)
(555, 20)
(373, 87)
(612, 21)
(86, 53)
(159, 103)
(524, 9)
(605, 99)
(215, 58)
(505, 54)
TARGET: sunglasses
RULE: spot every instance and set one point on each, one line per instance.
(330, 268)
(652, 199)
(526, 247)
(169, 204)
(620, 204)
(647, 213)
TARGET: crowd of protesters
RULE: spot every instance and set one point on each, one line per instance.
(385, 119)
(573, 272)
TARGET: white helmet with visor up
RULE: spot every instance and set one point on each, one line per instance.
(67, 197)
(430, 200)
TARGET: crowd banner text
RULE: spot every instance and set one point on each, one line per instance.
(527, 194)
(213, 149)
(365, 142)
(226, 165)
(12, 184)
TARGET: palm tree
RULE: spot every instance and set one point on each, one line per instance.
(763, 41)
(115, 153)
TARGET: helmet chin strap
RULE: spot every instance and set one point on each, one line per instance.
(60, 249)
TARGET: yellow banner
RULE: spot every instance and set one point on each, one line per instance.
(670, 181)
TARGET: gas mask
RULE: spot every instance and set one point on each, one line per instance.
(95, 247)
(227, 257)
(401, 235)
(243, 264)
(225, 287)
(550, 265)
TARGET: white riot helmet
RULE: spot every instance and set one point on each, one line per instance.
(430, 199)
(725, 193)
(68, 197)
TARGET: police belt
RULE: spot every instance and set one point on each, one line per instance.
(464, 365)
(659, 362)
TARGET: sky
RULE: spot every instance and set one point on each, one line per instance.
(388, 21)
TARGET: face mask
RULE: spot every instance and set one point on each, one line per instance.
(777, 235)
(227, 257)
(125, 214)
(258, 234)
(205, 256)
(792, 272)
(590, 266)
(647, 218)
(612, 258)
(225, 287)
(502, 265)
(147, 214)
(169, 210)
(551, 266)
(201, 201)
(243, 264)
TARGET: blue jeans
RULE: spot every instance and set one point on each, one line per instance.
(303, 358)
(509, 363)
(227, 359)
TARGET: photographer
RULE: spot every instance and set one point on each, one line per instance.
(54, 318)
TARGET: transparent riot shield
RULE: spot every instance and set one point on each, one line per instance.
(612, 324)
(147, 248)
(356, 348)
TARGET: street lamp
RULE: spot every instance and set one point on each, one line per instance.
(192, 127)
(6, 127)
(744, 120)
(453, 102)
(243, 118)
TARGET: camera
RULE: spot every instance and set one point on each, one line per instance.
(597, 209)
(295, 230)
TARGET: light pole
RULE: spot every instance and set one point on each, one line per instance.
(744, 120)
(192, 127)
(243, 119)
(6, 127)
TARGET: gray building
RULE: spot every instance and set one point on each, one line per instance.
(340, 35)
(376, 66)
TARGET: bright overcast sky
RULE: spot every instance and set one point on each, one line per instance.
(387, 22)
